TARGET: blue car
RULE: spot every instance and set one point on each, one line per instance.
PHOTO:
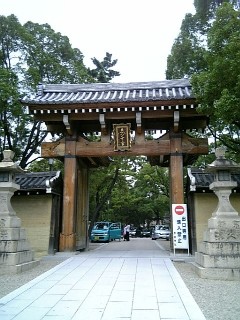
(105, 231)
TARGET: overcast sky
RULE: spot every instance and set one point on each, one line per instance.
(139, 33)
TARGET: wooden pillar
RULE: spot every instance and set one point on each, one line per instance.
(55, 224)
(82, 209)
(176, 168)
(68, 234)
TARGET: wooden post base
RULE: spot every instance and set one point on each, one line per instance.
(67, 242)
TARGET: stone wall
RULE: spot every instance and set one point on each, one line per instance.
(205, 204)
(35, 214)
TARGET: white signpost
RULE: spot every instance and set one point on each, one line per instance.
(180, 227)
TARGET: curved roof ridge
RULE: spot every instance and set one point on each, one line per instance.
(96, 93)
(114, 86)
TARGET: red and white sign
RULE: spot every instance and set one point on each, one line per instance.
(180, 226)
(179, 209)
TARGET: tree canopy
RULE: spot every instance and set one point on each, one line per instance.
(207, 51)
(218, 87)
(32, 54)
(140, 192)
(103, 72)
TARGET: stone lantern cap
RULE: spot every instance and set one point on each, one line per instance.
(7, 164)
(221, 163)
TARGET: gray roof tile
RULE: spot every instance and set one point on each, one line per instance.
(111, 92)
(36, 181)
(203, 179)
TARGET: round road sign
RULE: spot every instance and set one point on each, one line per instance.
(179, 210)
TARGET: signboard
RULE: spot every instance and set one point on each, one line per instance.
(180, 226)
(122, 137)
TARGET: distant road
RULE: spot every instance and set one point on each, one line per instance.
(136, 247)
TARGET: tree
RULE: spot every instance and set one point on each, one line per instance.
(139, 195)
(50, 58)
(189, 48)
(100, 193)
(106, 202)
(30, 54)
(103, 72)
(206, 9)
(42, 165)
(218, 88)
(17, 131)
(187, 53)
(212, 39)
(152, 190)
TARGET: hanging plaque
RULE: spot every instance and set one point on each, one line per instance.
(122, 137)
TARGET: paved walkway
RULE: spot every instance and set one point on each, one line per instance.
(133, 280)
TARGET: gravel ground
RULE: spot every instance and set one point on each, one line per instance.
(10, 282)
(218, 300)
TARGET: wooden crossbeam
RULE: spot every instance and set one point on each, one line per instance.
(105, 148)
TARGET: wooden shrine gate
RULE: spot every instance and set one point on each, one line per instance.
(115, 110)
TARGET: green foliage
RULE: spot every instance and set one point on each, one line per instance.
(218, 88)
(140, 193)
(206, 9)
(50, 57)
(30, 54)
(207, 50)
(11, 44)
(43, 165)
(14, 121)
(187, 53)
(103, 72)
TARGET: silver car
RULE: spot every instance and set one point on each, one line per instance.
(161, 232)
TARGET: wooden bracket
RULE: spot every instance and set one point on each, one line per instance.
(161, 159)
(103, 123)
(92, 161)
(176, 116)
(139, 122)
(67, 124)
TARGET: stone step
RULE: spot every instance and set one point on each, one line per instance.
(14, 246)
(12, 234)
(16, 258)
(19, 267)
(228, 221)
(10, 222)
(222, 235)
(216, 261)
(220, 248)
(231, 274)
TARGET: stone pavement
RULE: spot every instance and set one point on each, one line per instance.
(133, 280)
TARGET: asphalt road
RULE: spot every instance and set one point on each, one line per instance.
(147, 246)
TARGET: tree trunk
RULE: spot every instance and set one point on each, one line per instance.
(100, 203)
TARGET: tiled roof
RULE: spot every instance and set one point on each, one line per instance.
(36, 181)
(200, 179)
(111, 92)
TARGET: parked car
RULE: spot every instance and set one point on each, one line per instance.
(138, 232)
(132, 232)
(135, 232)
(161, 232)
(145, 233)
(106, 231)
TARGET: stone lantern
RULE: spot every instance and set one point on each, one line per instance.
(8, 169)
(223, 184)
(219, 256)
(15, 253)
